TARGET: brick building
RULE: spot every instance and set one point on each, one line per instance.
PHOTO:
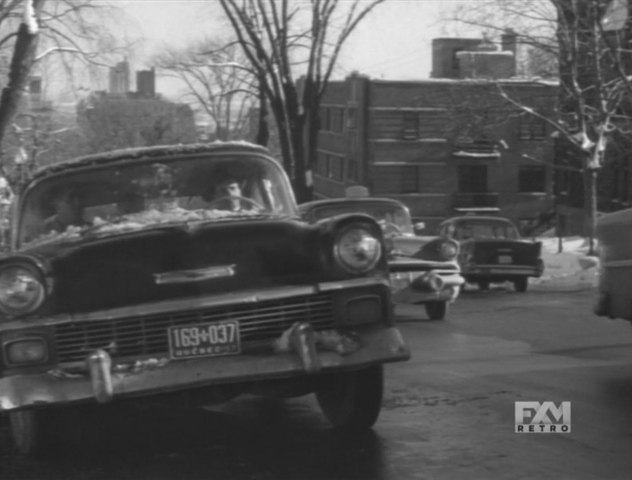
(442, 145)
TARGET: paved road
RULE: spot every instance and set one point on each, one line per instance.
(448, 413)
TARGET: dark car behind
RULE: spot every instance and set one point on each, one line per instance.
(492, 251)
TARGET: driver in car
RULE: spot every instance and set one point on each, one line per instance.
(229, 195)
(229, 190)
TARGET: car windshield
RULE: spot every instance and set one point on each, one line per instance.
(132, 195)
(485, 229)
(389, 216)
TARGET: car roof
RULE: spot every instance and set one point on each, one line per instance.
(158, 151)
(349, 201)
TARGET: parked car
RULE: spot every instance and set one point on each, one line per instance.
(423, 270)
(614, 240)
(493, 251)
(141, 284)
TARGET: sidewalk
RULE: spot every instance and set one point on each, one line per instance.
(570, 270)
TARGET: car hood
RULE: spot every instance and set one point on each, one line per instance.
(176, 261)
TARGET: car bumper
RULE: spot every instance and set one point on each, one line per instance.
(101, 380)
(416, 287)
(501, 271)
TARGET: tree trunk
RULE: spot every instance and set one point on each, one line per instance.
(263, 132)
(299, 181)
(590, 207)
(310, 132)
(21, 63)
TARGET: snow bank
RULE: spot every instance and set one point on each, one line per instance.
(569, 270)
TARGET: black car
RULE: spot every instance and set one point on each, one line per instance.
(423, 270)
(492, 251)
(129, 277)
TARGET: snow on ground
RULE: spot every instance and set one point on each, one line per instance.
(568, 270)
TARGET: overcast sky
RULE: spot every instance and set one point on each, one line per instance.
(392, 43)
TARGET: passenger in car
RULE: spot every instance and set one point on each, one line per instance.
(69, 210)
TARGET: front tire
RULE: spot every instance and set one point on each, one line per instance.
(25, 431)
(352, 401)
(521, 284)
(436, 310)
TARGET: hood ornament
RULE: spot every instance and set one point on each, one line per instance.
(195, 275)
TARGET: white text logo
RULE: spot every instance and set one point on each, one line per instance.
(543, 417)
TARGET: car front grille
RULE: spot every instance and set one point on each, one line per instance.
(137, 336)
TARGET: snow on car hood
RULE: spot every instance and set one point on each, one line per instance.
(140, 221)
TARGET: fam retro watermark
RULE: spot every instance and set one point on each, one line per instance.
(543, 417)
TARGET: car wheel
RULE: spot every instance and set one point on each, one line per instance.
(352, 401)
(436, 310)
(25, 431)
(521, 284)
(483, 284)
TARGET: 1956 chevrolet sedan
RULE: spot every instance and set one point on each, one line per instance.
(187, 270)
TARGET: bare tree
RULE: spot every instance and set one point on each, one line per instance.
(24, 52)
(278, 38)
(594, 63)
(48, 36)
(218, 80)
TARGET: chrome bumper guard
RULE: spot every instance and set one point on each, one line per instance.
(502, 270)
(420, 287)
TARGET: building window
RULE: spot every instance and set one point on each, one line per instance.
(410, 130)
(418, 125)
(325, 119)
(337, 119)
(472, 178)
(352, 120)
(432, 125)
(396, 179)
(322, 167)
(352, 170)
(531, 178)
(330, 166)
(336, 170)
(531, 128)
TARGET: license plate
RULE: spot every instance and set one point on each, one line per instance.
(505, 259)
(205, 340)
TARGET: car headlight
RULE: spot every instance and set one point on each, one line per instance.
(21, 290)
(449, 249)
(357, 250)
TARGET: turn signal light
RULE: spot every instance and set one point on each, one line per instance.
(26, 351)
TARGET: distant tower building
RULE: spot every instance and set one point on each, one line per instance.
(119, 79)
(445, 63)
(146, 83)
(486, 60)
(475, 57)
